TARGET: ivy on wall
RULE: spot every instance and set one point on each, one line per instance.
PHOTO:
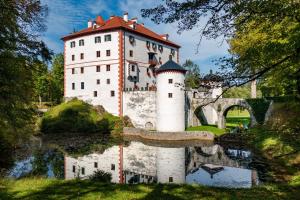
(259, 108)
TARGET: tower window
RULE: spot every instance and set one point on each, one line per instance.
(170, 179)
(98, 39)
(81, 56)
(98, 81)
(81, 42)
(82, 85)
(73, 71)
(170, 57)
(98, 54)
(73, 86)
(108, 81)
(74, 168)
(113, 167)
(107, 67)
(98, 68)
(83, 171)
(73, 57)
(170, 95)
(131, 53)
(132, 68)
(112, 93)
(170, 81)
(107, 52)
(95, 93)
(107, 38)
(81, 70)
(95, 164)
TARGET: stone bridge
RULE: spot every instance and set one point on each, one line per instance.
(213, 111)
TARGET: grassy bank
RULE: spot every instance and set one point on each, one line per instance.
(211, 128)
(36, 188)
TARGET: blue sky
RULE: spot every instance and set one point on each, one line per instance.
(67, 15)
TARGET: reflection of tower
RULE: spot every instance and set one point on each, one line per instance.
(170, 165)
(170, 98)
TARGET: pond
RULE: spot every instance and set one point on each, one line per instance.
(133, 162)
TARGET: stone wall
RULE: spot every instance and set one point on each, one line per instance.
(140, 106)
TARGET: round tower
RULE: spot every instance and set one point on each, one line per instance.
(170, 99)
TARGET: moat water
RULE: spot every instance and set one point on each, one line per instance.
(136, 162)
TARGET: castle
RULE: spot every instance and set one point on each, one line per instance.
(129, 70)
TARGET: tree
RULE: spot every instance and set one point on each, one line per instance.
(57, 74)
(192, 79)
(277, 19)
(20, 48)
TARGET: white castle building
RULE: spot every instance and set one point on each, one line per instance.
(129, 70)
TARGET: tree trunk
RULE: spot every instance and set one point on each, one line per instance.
(253, 89)
(40, 100)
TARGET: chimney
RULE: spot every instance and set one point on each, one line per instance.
(125, 16)
(135, 19)
(90, 23)
(100, 21)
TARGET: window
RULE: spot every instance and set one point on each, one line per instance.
(108, 81)
(170, 95)
(95, 93)
(81, 42)
(107, 52)
(81, 56)
(98, 81)
(82, 85)
(170, 57)
(107, 38)
(107, 68)
(170, 179)
(98, 68)
(98, 54)
(73, 57)
(170, 81)
(132, 68)
(98, 39)
(95, 164)
(112, 93)
(83, 171)
(81, 70)
(73, 71)
(74, 168)
(72, 44)
(113, 167)
(131, 53)
(73, 86)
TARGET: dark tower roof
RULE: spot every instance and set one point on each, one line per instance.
(171, 66)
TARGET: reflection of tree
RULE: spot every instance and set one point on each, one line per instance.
(56, 159)
(39, 163)
(6, 155)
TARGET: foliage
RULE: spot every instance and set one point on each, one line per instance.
(259, 107)
(240, 92)
(6, 156)
(76, 116)
(39, 188)
(192, 78)
(101, 176)
(20, 48)
(263, 37)
(57, 74)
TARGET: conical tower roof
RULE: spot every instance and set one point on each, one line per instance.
(170, 65)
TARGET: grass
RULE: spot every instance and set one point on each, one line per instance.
(211, 128)
(38, 188)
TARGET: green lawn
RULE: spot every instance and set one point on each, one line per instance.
(211, 128)
(40, 189)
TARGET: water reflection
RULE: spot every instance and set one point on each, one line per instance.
(140, 163)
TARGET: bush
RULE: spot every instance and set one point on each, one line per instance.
(76, 116)
(101, 176)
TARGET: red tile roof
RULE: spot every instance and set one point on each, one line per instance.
(119, 23)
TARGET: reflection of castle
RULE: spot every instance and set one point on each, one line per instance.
(139, 163)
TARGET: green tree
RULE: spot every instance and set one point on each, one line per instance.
(57, 74)
(20, 47)
(265, 35)
(192, 79)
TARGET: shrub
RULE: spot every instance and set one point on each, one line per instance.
(101, 176)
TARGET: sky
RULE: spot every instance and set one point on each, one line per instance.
(65, 16)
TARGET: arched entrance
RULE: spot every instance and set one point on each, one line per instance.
(206, 115)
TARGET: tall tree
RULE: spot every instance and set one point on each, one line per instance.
(57, 74)
(192, 79)
(20, 47)
(277, 19)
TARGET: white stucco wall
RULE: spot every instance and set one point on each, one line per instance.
(170, 111)
(90, 76)
(140, 106)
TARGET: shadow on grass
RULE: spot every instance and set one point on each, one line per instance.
(91, 190)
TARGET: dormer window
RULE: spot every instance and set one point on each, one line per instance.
(72, 44)
(131, 39)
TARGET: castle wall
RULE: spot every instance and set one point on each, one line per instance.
(140, 106)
